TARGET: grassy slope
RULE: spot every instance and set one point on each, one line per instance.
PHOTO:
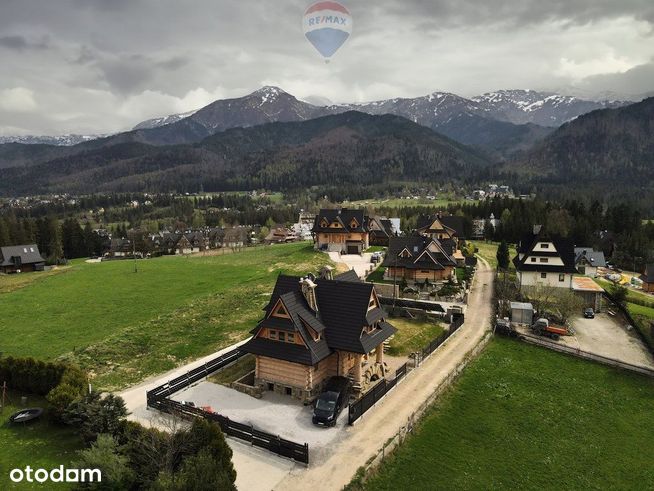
(39, 444)
(488, 250)
(124, 325)
(412, 335)
(523, 417)
(10, 283)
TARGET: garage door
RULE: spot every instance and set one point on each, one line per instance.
(352, 250)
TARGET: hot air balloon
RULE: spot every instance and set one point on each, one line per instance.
(327, 25)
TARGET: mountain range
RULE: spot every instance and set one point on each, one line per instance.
(500, 122)
(270, 139)
(350, 148)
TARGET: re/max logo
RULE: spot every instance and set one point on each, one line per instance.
(327, 19)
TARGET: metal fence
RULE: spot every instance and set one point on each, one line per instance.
(158, 398)
(359, 407)
(428, 349)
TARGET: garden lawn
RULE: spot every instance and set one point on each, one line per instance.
(123, 326)
(523, 417)
(488, 250)
(377, 276)
(412, 335)
(39, 444)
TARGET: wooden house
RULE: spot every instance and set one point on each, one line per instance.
(417, 259)
(21, 258)
(648, 278)
(314, 329)
(341, 230)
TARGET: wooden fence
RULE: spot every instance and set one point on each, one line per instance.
(159, 398)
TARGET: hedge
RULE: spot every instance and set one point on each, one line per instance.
(61, 383)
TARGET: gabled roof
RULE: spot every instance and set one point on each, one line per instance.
(350, 275)
(342, 216)
(455, 223)
(591, 256)
(420, 256)
(425, 223)
(343, 313)
(564, 249)
(28, 254)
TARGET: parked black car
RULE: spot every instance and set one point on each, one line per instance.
(589, 313)
(331, 402)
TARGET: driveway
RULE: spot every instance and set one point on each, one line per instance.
(274, 413)
(359, 263)
(608, 336)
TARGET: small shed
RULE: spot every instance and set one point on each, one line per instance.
(522, 313)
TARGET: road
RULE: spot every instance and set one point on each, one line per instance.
(382, 422)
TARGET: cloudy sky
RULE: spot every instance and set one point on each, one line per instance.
(94, 66)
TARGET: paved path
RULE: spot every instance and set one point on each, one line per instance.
(359, 263)
(383, 422)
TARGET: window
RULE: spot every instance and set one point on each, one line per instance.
(282, 336)
(290, 337)
(533, 259)
(289, 391)
(543, 259)
(543, 275)
(562, 277)
(272, 334)
(545, 246)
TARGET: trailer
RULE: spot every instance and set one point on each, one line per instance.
(542, 327)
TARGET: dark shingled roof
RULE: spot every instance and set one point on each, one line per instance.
(456, 223)
(564, 249)
(343, 216)
(421, 257)
(341, 318)
(28, 254)
(350, 275)
(648, 276)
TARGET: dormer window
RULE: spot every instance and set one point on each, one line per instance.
(405, 253)
(324, 223)
(354, 223)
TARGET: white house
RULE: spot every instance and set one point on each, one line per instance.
(587, 260)
(545, 260)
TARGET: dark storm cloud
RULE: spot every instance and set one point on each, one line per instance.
(111, 63)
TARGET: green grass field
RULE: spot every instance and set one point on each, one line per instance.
(39, 444)
(412, 335)
(401, 203)
(488, 250)
(124, 326)
(522, 417)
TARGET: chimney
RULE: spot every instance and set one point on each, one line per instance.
(327, 273)
(308, 288)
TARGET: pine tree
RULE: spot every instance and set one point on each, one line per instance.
(503, 255)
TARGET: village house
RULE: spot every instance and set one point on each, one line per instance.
(21, 259)
(381, 229)
(341, 230)
(448, 230)
(314, 329)
(648, 278)
(418, 259)
(280, 235)
(545, 260)
(587, 260)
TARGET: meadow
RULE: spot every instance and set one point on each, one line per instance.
(523, 417)
(40, 444)
(123, 326)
